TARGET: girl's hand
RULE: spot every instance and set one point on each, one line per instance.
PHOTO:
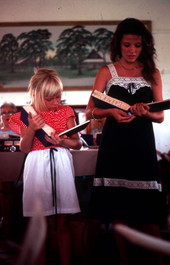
(73, 142)
(121, 116)
(55, 139)
(139, 109)
(36, 122)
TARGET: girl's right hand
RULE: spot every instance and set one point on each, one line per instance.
(121, 116)
(36, 122)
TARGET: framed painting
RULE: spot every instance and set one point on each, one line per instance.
(75, 49)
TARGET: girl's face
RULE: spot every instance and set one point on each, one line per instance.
(52, 102)
(131, 47)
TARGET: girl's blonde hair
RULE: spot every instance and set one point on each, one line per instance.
(44, 83)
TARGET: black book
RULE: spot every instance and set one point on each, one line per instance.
(46, 130)
(75, 129)
(40, 134)
(104, 101)
(159, 105)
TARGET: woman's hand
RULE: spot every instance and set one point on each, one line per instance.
(121, 116)
(36, 122)
(139, 109)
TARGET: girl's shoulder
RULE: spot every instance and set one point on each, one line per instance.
(68, 110)
(64, 107)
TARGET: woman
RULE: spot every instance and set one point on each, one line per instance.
(127, 186)
(6, 110)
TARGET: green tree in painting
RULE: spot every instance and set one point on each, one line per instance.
(34, 46)
(101, 40)
(73, 46)
(9, 51)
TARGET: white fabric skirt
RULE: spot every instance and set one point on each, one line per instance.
(38, 183)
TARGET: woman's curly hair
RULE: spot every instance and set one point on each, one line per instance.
(148, 53)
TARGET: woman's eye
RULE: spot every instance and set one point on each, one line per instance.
(127, 45)
(138, 45)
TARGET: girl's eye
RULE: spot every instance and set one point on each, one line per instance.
(50, 99)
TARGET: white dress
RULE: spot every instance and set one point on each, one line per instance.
(38, 184)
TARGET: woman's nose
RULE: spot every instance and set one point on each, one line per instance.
(132, 49)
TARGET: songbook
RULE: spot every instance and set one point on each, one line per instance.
(46, 129)
(104, 101)
(159, 105)
(75, 129)
(40, 134)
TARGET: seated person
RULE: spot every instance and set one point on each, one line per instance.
(6, 188)
(6, 110)
(166, 156)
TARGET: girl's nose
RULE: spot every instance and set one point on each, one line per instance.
(55, 100)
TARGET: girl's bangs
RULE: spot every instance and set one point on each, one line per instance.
(52, 90)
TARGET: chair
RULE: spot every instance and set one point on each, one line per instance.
(156, 247)
(88, 139)
(98, 138)
(32, 250)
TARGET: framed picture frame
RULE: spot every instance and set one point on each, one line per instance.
(75, 49)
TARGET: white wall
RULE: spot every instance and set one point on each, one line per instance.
(81, 10)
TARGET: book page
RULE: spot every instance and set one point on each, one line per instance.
(112, 101)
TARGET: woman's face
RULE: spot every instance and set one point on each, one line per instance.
(52, 102)
(6, 113)
(131, 47)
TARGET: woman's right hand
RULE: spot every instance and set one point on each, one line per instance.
(121, 116)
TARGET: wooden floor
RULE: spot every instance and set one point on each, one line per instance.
(93, 245)
(10, 250)
(98, 252)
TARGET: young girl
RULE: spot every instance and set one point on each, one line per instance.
(48, 172)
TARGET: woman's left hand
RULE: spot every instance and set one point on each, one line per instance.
(139, 109)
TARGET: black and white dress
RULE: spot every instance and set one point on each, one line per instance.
(127, 184)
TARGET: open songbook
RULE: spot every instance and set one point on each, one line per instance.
(47, 130)
(159, 105)
(75, 129)
(40, 134)
(104, 101)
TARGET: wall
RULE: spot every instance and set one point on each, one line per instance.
(80, 10)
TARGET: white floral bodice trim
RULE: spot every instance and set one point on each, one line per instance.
(131, 84)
